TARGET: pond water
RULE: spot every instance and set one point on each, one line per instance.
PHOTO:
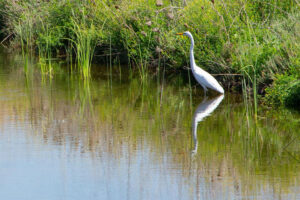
(115, 137)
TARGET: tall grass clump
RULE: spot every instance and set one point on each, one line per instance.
(44, 45)
(84, 43)
(24, 33)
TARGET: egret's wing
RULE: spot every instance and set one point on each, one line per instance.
(207, 80)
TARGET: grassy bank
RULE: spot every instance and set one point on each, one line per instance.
(255, 39)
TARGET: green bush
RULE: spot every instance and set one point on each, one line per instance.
(284, 91)
(266, 10)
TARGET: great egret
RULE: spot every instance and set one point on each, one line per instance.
(204, 78)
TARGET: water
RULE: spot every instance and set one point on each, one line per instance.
(117, 138)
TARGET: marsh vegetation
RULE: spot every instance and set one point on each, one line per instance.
(257, 41)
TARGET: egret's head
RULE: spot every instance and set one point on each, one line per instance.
(187, 33)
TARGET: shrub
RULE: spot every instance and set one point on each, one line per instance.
(284, 91)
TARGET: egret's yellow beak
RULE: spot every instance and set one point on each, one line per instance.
(181, 34)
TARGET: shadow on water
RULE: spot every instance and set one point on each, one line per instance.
(112, 137)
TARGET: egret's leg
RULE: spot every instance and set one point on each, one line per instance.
(204, 99)
(204, 88)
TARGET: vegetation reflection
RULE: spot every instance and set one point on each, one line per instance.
(103, 117)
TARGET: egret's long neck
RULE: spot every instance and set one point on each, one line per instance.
(192, 59)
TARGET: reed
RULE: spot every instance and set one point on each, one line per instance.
(84, 43)
(45, 50)
(25, 37)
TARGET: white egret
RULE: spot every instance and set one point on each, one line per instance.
(204, 78)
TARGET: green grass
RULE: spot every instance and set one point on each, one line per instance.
(285, 91)
(45, 51)
(84, 44)
(257, 39)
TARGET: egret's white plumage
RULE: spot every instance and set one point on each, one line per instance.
(204, 78)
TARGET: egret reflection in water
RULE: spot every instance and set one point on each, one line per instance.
(204, 109)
